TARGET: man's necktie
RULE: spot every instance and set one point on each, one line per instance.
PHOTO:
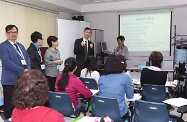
(86, 50)
(17, 48)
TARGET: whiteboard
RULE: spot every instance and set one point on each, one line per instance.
(68, 32)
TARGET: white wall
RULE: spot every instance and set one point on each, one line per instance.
(107, 22)
(180, 19)
(67, 36)
(63, 15)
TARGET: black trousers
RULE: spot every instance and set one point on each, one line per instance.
(51, 83)
(126, 117)
(8, 107)
(80, 66)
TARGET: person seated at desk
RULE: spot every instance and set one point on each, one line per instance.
(121, 49)
(90, 70)
(114, 84)
(29, 96)
(153, 74)
(69, 83)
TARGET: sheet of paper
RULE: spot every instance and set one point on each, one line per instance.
(176, 101)
(94, 91)
(136, 97)
(136, 81)
(169, 84)
(86, 119)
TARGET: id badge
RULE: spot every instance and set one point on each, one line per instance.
(58, 66)
(23, 62)
(42, 66)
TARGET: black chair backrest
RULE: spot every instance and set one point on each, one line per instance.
(61, 102)
(105, 106)
(154, 93)
(89, 82)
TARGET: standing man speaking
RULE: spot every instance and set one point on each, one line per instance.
(83, 48)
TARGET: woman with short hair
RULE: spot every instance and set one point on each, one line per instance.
(114, 84)
(29, 96)
(121, 49)
(154, 75)
(52, 61)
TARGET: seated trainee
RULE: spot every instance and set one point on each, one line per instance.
(69, 83)
(153, 74)
(114, 84)
(90, 70)
(29, 96)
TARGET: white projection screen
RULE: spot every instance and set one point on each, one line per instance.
(146, 32)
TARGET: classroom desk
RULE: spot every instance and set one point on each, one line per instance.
(168, 83)
(140, 69)
(175, 102)
(136, 95)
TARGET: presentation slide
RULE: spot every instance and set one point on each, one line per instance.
(146, 32)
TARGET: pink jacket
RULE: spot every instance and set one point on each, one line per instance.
(74, 87)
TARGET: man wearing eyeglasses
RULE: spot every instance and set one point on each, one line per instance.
(34, 51)
(15, 61)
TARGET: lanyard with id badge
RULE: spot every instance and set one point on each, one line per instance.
(20, 54)
(42, 65)
(58, 67)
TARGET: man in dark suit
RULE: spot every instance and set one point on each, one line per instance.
(82, 49)
(34, 51)
(15, 61)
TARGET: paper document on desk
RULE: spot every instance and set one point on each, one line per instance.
(94, 91)
(86, 119)
(136, 81)
(176, 102)
(136, 97)
(171, 84)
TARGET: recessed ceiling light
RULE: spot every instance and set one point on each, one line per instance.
(98, 1)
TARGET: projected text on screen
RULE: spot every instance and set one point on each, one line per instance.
(146, 32)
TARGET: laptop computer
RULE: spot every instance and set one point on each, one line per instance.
(104, 48)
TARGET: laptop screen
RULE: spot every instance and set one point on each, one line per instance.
(103, 46)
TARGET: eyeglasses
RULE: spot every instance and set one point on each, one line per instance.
(13, 32)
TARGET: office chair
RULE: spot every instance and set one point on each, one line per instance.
(7, 120)
(89, 82)
(146, 111)
(182, 110)
(62, 103)
(154, 93)
(105, 106)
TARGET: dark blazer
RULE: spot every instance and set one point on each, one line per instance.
(80, 53)
(153, 77)
(34, 57)
(11, 62)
